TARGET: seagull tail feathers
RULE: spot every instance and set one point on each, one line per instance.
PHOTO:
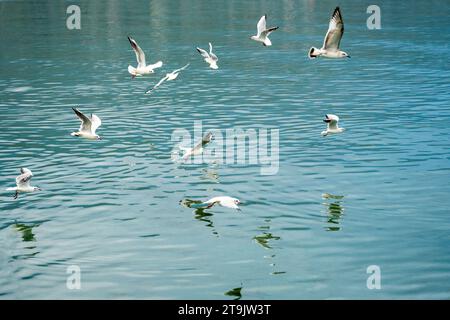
(11, 189)
(313, 53)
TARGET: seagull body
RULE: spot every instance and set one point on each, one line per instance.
(223, 201)
(332, 124)
(88, 126)
(198, 148)
(210, 57)
(330, 47)
(142, 67)
(169, 77)
(263, 32)
(23, 183)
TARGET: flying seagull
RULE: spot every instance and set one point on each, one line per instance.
(223, 201)
(330, 47)
(142, 67)
(198, 148)
(210, 57)
(332, 124)
(169, 77)
(88, 126)
(263, 32)
(23, 183)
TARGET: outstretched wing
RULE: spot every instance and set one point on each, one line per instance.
(24, 179)
(203, 53)
(157, 85)
(266, 32)
(261, 26)
(86, 123)
(211, 54)
(335, 31)
(140, 55)
(96, 122)
(181, 69)
(332, 121)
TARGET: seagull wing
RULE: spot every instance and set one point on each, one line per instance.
(24, 179)
(335, 31)
(86, 123)
(158, 84)
(198, 146)
(212, 202)
(266, 32)
(140, 55)
(203, 53)
(211, 54)
(96, 122)
(261, 26)
(333, 124)
(207, 138)
(334, 119)
(181, 69)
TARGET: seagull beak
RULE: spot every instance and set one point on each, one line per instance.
(348, 57)
(326, 120)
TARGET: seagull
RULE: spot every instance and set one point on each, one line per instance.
(223, 201)
(142, 67)
(88, 126)
(198, 148)
(332, 124)
(263, 32)
(169, 77)
(210, 57)
(23, 183)
(330, 47)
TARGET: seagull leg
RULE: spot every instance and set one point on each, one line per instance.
(16, 195)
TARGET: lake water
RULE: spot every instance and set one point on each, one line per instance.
(377, 194)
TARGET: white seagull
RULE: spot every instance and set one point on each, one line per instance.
(330, 47)
(223, 201)
(23, 183)
(263, 32)
(169, 77)
(142, 67)
(332, 124)
(198, 148)
(88, 126)
(210, 57)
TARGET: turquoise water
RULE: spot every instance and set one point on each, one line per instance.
(376, 194)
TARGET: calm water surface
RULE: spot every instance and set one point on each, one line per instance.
(374, 195)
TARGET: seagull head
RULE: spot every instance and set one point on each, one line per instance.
(98, 137)
(37, 189)
(344, 55)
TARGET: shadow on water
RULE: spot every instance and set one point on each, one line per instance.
(27, 231)
(265, 237)
(264, 240)
(335, 211)
(28, 237)
(235, 292)
(199, 213)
